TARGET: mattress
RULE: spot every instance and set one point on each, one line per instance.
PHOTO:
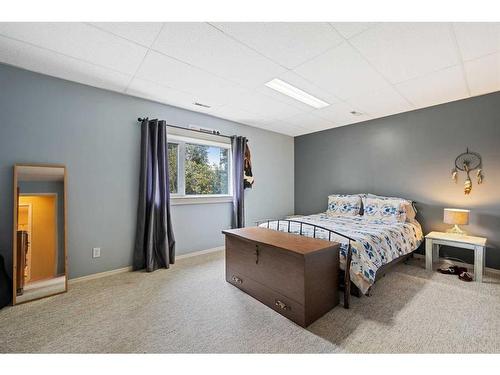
(375, 244)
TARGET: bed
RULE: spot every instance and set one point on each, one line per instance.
(374, 244)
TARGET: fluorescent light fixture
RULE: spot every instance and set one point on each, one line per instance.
(294, 92)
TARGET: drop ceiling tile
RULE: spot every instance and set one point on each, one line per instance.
(206, 87)
(80, 41)
(158, 93)
(287, 129)
(343, 72)
(483, 75)
(350, 29)
(262, 105)
(287, 43)
(309, 122)
(237, 114)
(402, 51)
(281, 127)
(340, 114)
(140, 32)
(296, 132)
(477, 39)
(53, 64)
(435, 88)
(303, 84)
(206, 47)
(381, 102)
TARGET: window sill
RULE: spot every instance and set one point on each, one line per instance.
(200, 199)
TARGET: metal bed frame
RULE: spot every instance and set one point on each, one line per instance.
(347, 271)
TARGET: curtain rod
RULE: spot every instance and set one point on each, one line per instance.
(213, 132)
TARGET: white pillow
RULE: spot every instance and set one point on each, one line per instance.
(408, 205)
(343, 205)
(388, 210)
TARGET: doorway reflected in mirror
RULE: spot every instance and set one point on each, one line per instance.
(39, 232)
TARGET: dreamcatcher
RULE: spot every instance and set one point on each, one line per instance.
(468, 162)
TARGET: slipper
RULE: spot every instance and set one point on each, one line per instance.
(452, 270)
(465, 276)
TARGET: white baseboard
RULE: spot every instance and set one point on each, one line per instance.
(99, 275)
(200, 252)
(129, 268)
(461, 264)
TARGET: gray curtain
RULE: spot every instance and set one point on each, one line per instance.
(154, 240)
(238, 149)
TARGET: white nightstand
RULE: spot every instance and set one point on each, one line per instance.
(477, 244)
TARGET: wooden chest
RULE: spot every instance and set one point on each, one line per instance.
(294, 275)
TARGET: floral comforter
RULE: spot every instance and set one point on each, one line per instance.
(376, 242)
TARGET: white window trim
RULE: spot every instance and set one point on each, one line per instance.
(200, 199)
(180, 198)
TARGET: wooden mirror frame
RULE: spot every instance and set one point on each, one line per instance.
(14, 230)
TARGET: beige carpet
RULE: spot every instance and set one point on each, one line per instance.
(190, 308)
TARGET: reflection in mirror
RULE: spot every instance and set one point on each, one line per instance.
(39, 232)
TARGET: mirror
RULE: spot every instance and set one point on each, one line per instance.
(39, 238)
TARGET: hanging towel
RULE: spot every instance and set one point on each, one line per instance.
(248, 176)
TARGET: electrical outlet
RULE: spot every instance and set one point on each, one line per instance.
(96, 252)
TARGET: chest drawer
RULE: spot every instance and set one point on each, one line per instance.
(267, 265)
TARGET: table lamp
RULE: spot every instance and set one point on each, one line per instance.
(456, 217)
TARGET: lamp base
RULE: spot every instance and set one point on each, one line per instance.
(456, 230)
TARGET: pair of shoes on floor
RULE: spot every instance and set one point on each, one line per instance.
(455, 270)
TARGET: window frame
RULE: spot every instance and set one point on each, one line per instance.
(181, 197)
(169, 172)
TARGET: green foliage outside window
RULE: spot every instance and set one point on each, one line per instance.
(206, 169)
(173, 163)
(202, 175)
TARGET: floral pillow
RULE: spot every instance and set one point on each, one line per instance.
(343, 205)
(407, 204)
(392, 210)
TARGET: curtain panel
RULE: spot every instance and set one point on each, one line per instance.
(238, 144)
(154, 241)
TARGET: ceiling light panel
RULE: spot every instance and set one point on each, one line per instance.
(294, 92)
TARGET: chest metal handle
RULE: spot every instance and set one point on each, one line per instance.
(237, 280)
(256, 254)
(282, 305)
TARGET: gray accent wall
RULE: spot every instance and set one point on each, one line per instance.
(95, 134)
(411, 155)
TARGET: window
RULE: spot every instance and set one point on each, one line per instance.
(206, 170)
(173, 166)
(198, 168)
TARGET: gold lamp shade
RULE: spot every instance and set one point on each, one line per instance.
(456, 217)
